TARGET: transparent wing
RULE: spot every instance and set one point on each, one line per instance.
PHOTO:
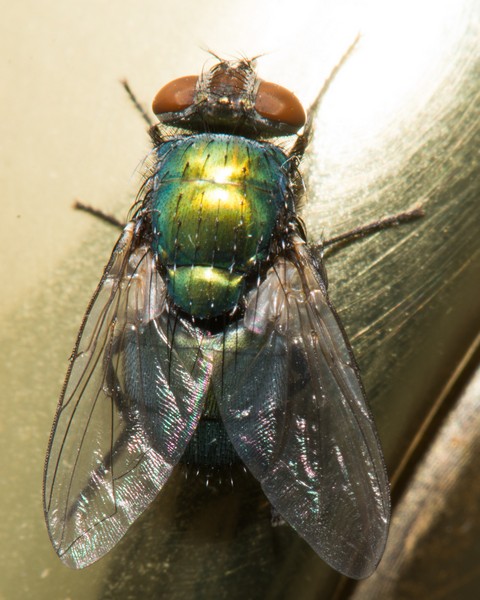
(296, 415)
(131, 401)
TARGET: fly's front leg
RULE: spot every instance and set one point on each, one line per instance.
(303, 140)
(153, 130)
(137, 104)
(107, 218)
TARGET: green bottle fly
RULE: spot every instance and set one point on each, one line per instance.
(211, 341)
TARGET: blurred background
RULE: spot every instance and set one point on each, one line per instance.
(398, 129)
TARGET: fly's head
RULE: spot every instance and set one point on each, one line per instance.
(230, 98)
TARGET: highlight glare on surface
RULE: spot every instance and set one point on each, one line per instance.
(219, 195)
(222, 175)
(395, 67)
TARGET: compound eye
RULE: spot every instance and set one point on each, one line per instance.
(276, 103)
(176, 95)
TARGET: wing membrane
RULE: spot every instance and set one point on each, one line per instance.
(298, 419)
(130, 404)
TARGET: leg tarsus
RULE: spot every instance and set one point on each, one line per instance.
(99, 214)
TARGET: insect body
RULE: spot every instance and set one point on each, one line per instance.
(211, 339)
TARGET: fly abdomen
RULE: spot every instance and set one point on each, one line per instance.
(215, 205)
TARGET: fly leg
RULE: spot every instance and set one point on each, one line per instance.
(153, 130)
(303, 140)
(99, 214)
(339, 241)
(110, 219)
(301, 145)
(137, 104)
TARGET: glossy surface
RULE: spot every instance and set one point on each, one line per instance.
(393, 100)
(435, 532)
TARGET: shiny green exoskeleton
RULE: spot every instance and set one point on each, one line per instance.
(211, 340)
(217, 202)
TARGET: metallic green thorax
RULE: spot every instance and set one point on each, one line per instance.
(215, 206)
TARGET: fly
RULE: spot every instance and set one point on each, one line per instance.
(211, 340)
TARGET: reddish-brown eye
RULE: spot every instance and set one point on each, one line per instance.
(276, 103)
(176, 95)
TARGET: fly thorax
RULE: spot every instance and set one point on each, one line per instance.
(216, 202)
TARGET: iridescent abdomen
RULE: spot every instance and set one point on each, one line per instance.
(215, 206)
